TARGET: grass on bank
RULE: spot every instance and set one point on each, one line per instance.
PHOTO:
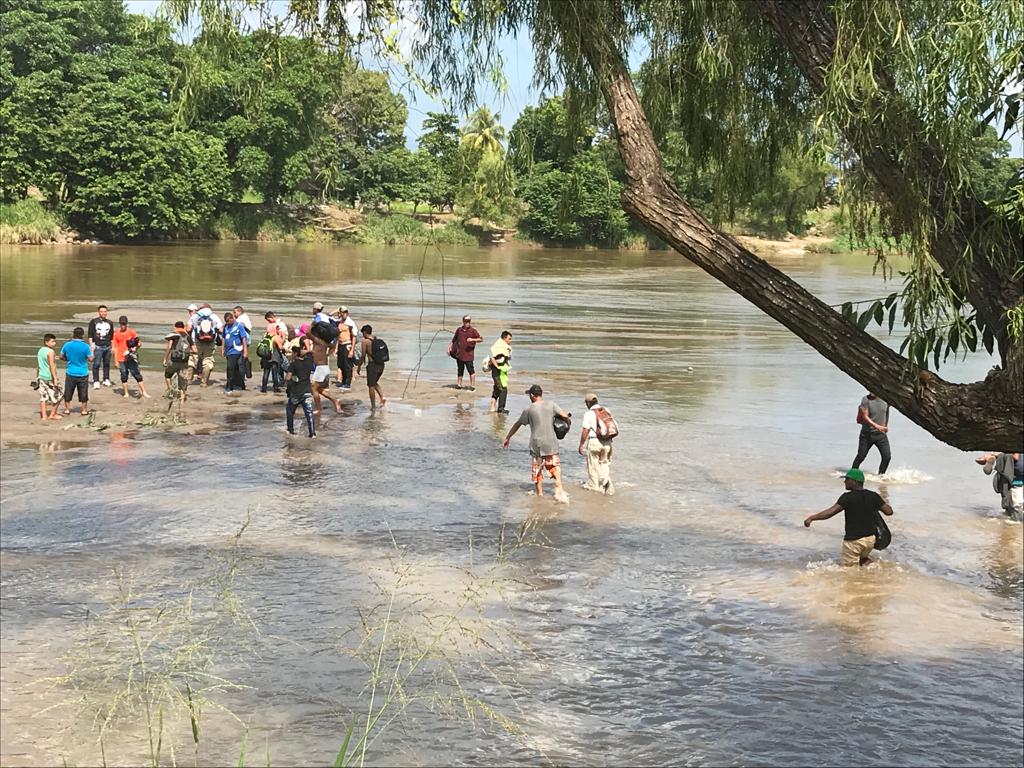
(29, 221)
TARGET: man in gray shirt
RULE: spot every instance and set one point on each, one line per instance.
(873, 416)
(540, 416)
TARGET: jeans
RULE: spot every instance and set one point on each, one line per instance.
(235, 372)
(346, 364)
(498, 392)
(130, 367)
(272, 372)
(304, 401)
(101, 355)
(878, 439)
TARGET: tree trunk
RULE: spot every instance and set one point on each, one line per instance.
(808, 30)
(984, 415)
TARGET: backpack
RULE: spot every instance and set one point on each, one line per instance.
(181, 349)
(265, 348)
(326, 332)
(607, 428)
(883, 536)
(379, 351)
(206, 330)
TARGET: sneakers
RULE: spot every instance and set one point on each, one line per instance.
(502, 410)
(95, 385)
(106, 383)
(346, 388)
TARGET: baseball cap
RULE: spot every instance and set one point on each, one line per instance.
(192, 307)
(535, 390)
(343, 309)
(466, 317)
(590, 398)
(318, 306)
(856, 475)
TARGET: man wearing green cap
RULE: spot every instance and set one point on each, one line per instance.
(861, 507)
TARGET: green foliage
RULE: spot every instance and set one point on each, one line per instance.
(577, 205)
(487, 188)
(399, 229)
(440, 142)
(27, 221)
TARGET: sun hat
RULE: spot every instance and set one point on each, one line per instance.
(854, 474)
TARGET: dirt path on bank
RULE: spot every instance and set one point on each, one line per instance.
(790, 246)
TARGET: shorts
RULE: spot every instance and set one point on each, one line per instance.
(854, 550)
(49, 392)
(373, 373)
(181, 371)
(130, 367)
(466, 366)
(79, 383)
(321, 373)
(539, 463)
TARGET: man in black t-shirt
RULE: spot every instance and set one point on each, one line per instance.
(861, 508)
(101, 336)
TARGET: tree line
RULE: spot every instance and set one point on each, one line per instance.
(131, 134)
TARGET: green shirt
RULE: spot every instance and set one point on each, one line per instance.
(43, 359)
(502, 374)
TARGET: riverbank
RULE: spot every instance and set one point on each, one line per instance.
(207, 410)
(29, 222)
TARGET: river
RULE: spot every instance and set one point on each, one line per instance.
(691, 618)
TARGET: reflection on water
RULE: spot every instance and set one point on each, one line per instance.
(691, 618)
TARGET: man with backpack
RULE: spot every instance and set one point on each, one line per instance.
(861, 508)
(599, 429)
(270, 351)
(322, 336)
(374, 352)
(176, 359)
(205, 330)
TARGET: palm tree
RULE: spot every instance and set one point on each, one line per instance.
(483, 132)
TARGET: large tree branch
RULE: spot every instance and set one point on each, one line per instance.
(980, 416)
(808, 30)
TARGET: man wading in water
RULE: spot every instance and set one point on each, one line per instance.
(540, 416)
(873, 416)
(861, 507)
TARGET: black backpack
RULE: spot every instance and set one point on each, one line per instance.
(379, 351)
(883, 536)
(326, 332)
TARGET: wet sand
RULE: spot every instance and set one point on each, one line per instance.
(206, 409)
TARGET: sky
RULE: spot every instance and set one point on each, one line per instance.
(517, 55)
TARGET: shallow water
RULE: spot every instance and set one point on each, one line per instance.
(689, 619)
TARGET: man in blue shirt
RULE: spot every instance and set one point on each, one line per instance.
(78, 355)
(235, 349)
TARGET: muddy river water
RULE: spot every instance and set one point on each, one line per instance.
(398, 565)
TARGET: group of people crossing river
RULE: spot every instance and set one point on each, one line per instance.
(296, 359)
